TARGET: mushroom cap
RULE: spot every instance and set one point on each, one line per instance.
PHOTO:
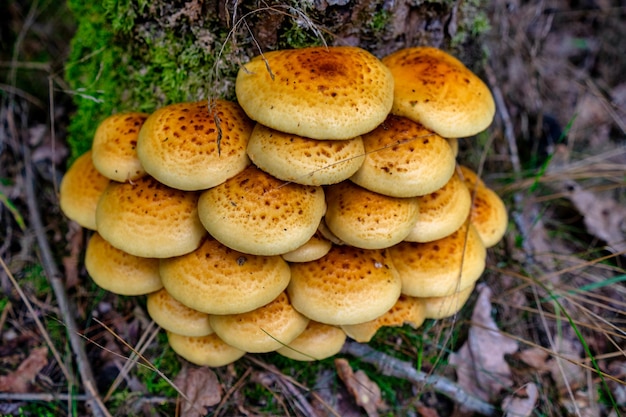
(215, 279)
(442, 211)
(442, 307)
(207, 350)
(489, 215)
(440, 267)
(120, 272)
(407, 310)
(437, 90)
(313, 249)
(337, 92)
(114, 146)
(80, 189)
(318, 341)
(174, 316)
(470, 177)
(366, 219)
(404, 159)
(256, 213)
(149, 219)
(347, 286)
(264, 329)
(302, 160)
(195, 146)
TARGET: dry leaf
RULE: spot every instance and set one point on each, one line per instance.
(522, 402)
(19, 380)
(480, 366)
(562, 370)
(366, 393)
(202, 389)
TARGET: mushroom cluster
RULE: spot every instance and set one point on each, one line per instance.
(327, 202)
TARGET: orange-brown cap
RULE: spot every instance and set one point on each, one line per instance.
(449, 305)
(207, 350)
(318, 341)
(146, 218)
(114, 146)
(120, 272)
(215, 279)
(441, 267)
(256, 213)
(366, 219)
(81, 188)
(407, 310)
(489, 215)
(320, 92)
(264, 329)
(313, 249)
(302, 160)
(404, 159)
(436, 89)
(174, 316)
(195, 146)
(347, 286)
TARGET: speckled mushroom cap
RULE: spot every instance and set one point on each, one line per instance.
(347, 286)
(318, 341)
(114, 146)
(302, 160)
(441, 267)
(215, 279)
(313, 249)
(207, 350)
(488, 215)
(407, 310)
(174, 316)
(436, 89)
(404, 159)
(366, 219)
(120, 272)
(256, 213)
(264, 329)
(195, 146)
(320, 92)
(441, 212)
(149, 219)
(80, 189)
(470, 177)
(442, 307)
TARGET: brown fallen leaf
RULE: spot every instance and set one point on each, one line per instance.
(480, 365)
(522, 402)
(365, 392)
(19, 380)
(202, 389)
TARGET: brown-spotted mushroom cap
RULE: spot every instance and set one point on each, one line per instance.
(195, 146)
(347, 286)
(256, 213)
(149, 219)
(319, 92)
(313, 249)
(174, 316)
(264, 329)
(470, 177)
(81, 188)
(120, 272)
(366, 219)
(318, 341)
(207, 350)
(215, 279)
(436, 89)
(441, 212)
(449, 305)
(407, 310)
(302, 160)
(404, 159)
(114, 146)
(441, 267)
(488, 215)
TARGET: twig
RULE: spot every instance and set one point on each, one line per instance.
(391, 366)
(54, 277)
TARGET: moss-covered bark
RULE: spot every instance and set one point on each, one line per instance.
(141, 54)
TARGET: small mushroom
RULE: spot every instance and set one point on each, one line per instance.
(207, 350)
(446, 306)
(174, 316)
(318, 341)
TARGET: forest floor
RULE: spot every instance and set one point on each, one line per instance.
(554, 290)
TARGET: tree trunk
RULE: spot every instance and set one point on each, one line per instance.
(140, 55)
